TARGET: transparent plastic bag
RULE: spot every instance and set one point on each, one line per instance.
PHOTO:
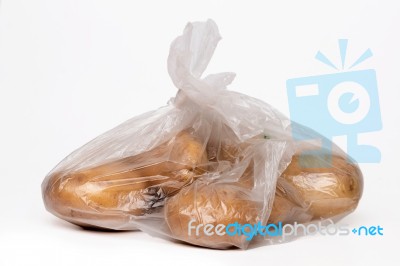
(211, 157)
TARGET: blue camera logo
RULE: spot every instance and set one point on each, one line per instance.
(338, 104)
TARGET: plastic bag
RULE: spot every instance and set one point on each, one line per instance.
(210, 159)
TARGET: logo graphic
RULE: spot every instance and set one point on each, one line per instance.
(339, 104)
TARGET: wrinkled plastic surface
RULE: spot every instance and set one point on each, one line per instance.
(211, 155)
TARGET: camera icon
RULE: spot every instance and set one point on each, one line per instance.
(338, 104)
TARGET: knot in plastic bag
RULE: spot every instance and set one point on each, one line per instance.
(189, 56)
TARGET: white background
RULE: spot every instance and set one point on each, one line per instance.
(70, 70)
